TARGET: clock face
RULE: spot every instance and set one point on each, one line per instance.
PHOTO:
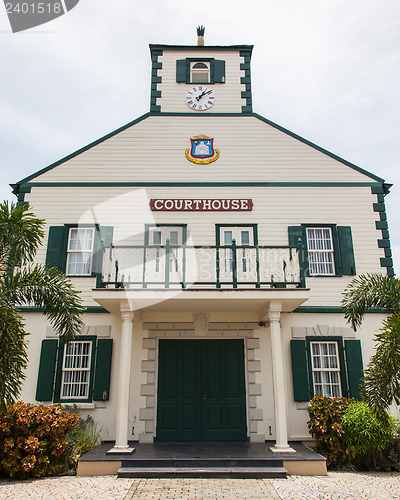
(200, 98)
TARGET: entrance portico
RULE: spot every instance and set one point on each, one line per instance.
(263, 306)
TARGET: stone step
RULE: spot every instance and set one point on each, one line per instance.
(201, 462)
(209, 472)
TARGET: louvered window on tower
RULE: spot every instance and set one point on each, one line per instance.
(200, 72)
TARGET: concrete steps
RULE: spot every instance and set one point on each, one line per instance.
(207, 468)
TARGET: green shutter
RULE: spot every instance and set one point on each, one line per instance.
(47, 365)
(295, 233)
(346, 250)
(219, 72)
(57, 247)
(182, 68)
(301, 388)
(103, 238)
(354, 367)
(101, 391)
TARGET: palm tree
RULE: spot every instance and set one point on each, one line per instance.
(22, 282)
(381, 385)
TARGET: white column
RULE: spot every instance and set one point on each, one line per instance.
(121, 441)
(278, 376)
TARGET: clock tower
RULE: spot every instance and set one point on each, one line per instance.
(201, 79)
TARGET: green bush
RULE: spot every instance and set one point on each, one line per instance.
(367, 431)
(326, 427)
(33, 439)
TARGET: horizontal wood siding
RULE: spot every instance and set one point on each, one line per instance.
(227, 95)
(275, 208)
(154, 150)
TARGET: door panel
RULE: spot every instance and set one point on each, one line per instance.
(207, 401)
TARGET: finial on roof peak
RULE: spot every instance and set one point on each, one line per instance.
(200, 35)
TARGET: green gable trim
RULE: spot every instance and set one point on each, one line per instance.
(384, 243)
(199, 184)
(331, 309)
(318, 148)
(81, 150)
(25, 181)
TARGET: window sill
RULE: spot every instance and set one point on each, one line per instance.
(80, 406)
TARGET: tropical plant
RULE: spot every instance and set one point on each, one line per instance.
(364, 431)
(326, 427)
(22, 282)
(381, 383)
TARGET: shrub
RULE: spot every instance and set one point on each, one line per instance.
(367, 431)
(33, 439)
(83, 438)
(326, 427)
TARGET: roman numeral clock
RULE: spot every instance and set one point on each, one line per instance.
(200, 98)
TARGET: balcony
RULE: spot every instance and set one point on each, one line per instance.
(201, 267)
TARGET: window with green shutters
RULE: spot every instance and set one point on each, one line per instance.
(326, 249)
(326, 366)
(200, 70)
(75, 372)
(78, 250)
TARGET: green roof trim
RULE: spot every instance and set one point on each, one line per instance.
(26, 181)
(318, 148)
(202, 48)
(82, 150)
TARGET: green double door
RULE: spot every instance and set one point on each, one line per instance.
(201, 391)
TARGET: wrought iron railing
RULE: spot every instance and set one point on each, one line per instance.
(228, 266)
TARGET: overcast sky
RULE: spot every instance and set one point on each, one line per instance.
(328, 70)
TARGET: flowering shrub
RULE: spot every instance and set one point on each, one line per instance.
(33, 439)
(327, 428)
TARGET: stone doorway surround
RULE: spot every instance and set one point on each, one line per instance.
(201, 328)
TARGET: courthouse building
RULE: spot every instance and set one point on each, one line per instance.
(211, 247)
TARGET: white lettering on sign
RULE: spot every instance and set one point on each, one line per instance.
(200, 205)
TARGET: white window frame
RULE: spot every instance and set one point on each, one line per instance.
(326, 377)
(76, 371)
(320, 265)
(200, 71)
(78, 251)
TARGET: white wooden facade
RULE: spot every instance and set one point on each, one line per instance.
(262, 297)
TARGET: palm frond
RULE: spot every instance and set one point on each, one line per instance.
(20, 234)
(51, 291)
(369, 291)
(382, 377)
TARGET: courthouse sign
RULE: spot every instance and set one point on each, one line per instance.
(201, 205)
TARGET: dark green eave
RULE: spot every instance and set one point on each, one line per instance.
(202, 48)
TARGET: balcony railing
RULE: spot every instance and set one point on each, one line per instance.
(229, 266)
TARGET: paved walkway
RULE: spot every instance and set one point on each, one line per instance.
(335, 486)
